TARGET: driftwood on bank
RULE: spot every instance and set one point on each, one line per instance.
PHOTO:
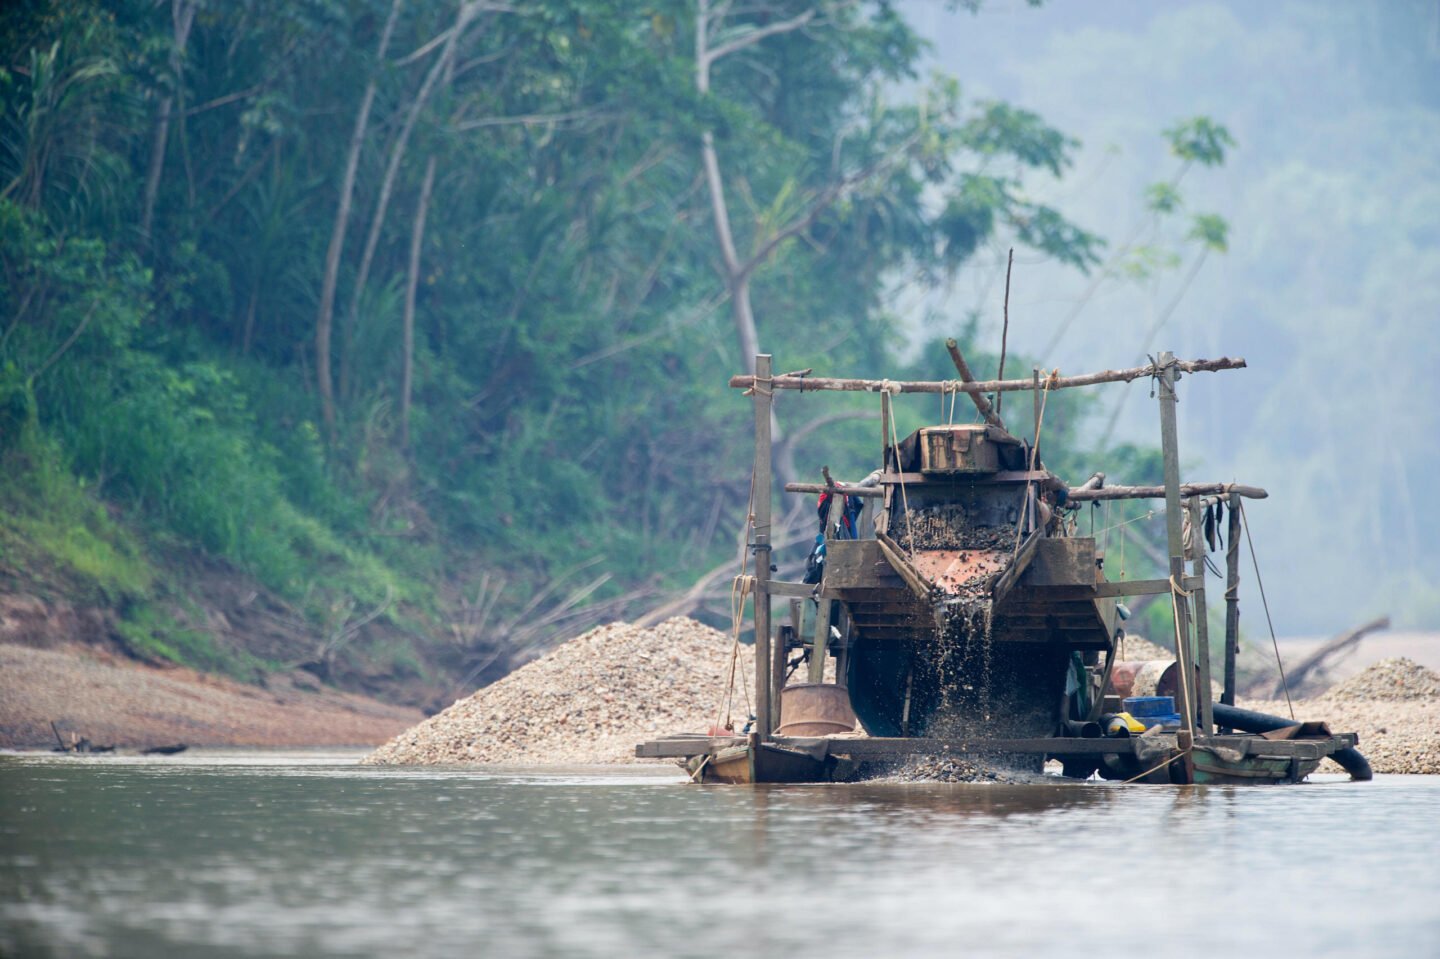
(806, 383)
(1315, 665)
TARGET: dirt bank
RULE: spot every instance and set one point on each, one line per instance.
(112, 700)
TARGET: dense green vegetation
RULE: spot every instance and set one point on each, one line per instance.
(421, 314)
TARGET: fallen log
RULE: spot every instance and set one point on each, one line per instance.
(809, 383)
(1315, 664)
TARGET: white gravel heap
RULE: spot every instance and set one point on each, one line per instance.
(1390, 679)
(588, 701)
(1395, 707)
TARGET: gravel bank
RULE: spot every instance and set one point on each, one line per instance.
(1395, 707)
(589, 701)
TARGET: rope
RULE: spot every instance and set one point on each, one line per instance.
(755, 386)
(1284, 683)
(740, 587)
(1153, 769)
(1035, 452)
(1148, 515)
(1185, 666)
(895, 444)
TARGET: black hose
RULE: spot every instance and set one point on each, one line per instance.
(1250, 721)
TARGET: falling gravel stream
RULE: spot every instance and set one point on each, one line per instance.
(294, 854)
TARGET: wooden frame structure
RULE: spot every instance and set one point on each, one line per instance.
(1197, 750)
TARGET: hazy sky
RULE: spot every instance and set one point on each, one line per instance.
(1330, 289)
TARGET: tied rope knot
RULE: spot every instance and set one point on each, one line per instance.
(767, 390)
(890, 386)
(1176, 588)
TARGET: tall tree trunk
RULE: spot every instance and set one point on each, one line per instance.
(440, 68)
(738, 273)
(182, 18)
(326, 314)
(407, 357)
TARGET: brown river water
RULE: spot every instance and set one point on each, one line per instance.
(307, 854)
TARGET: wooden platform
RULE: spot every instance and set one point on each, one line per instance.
(1225, 749)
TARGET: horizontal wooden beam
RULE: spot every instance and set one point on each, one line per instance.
(779, 587)
(808, 383)
(842, 488)
(1158, 492)
(1144, 587)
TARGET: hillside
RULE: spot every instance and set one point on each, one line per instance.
(389, 341)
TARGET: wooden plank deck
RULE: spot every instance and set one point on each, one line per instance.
(896, 748)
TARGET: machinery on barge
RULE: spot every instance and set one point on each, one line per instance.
(968, 618)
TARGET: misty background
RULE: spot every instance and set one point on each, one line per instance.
(1330, 288)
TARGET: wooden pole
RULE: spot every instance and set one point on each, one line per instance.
(1202, 622)
(761, 543)
(1086, 494)
(981, 403)
(1170, 452)
(843, 489)
(882, 518)
(822, 612)
(1005, 330)
(815, 383)
(1232, 599)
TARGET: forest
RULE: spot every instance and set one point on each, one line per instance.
(390, 339)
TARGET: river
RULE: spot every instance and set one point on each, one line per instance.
(308, 854)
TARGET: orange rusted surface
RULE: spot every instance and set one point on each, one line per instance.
(951, 569)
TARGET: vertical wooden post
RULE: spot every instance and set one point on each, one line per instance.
(1170, 452)
(822, 614)
(1232, 599)
(842, 656)
(1202, 623)
(882, 516)
(761, 543)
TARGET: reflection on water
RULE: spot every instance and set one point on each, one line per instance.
(309, 855)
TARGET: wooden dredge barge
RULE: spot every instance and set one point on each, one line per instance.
(968, 618)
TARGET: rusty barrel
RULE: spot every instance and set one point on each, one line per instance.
(1149, 677)
(815, 709)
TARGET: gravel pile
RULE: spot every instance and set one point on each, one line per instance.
(1390, 679)
(953, 769)
(1140, 649)
(1395, 707)
(589, 701)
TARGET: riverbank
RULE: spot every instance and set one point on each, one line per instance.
(111, 700)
